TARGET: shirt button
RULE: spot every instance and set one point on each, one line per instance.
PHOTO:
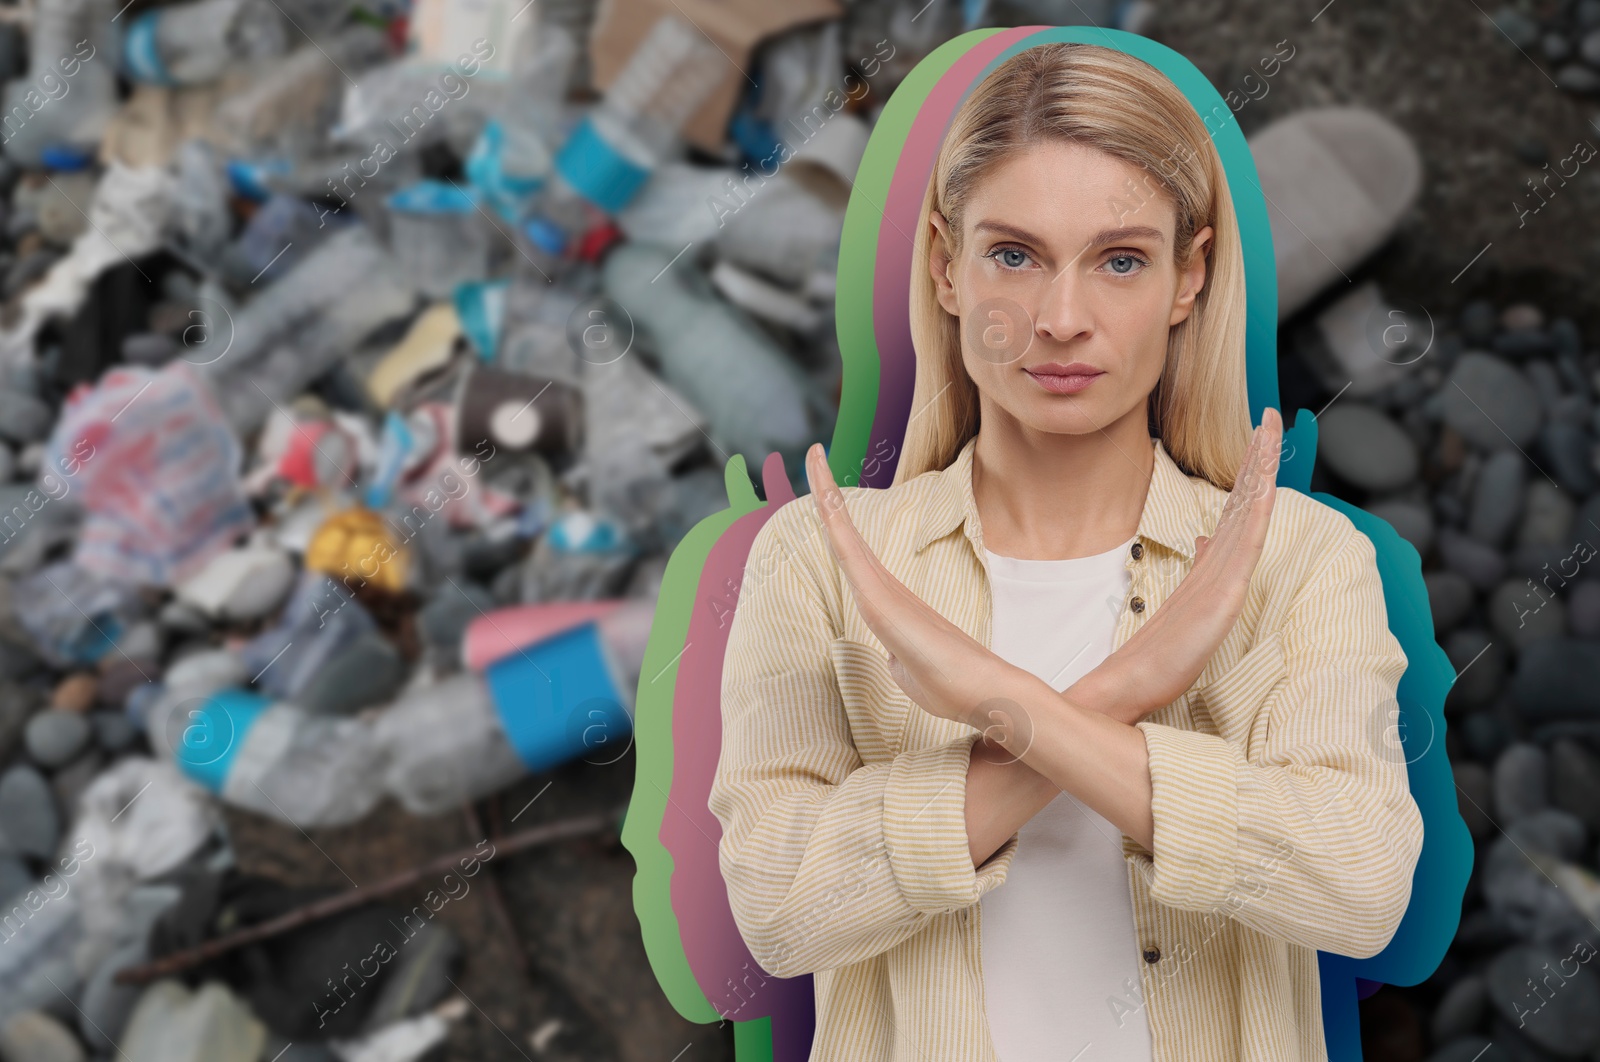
(1138, 550)
(1152, 954)
(1137, 604)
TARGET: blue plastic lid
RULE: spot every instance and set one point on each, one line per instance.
(67, 158)
(433, 197)
(546, 235)
(213, 733)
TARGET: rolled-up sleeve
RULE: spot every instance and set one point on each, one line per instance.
(1317, 842)
(827, 860)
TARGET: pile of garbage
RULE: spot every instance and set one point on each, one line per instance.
(361, 363)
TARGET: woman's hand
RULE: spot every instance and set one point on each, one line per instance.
(1159, 663)
(939, 666)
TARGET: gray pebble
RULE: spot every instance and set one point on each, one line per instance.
(1450, 597)
(1411, 521)
(28, 815)
(1521, 613)
(33, 1036)
(1557, 678)
(1521, 783)
(369, 671)
(1460, 1010)
(54, 737)
(1480, 664)
(1575, 77)
(1589, 47)
(1548, 516)
(1575, 781)
(443, 620)
(1471, 1049)
(106, 1005)
(15, 879)
(1567, 448)
(1565, 335)
(1555, 47)
(23, 418)
(1366, 447)
(1566, 1018)
(1587, 14)
(113, 730)
(1583, 609)
(1497, 498)
(1488, 402)
(1478, 322)
(1514, 26)
(1482, 565)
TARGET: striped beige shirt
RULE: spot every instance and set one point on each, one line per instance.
(1284, 822)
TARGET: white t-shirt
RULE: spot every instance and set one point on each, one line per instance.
(1060, 959)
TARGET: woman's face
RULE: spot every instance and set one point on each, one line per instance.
(1066, 286)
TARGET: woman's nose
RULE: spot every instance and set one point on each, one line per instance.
(1063, 312)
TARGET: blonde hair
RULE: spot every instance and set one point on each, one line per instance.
(1107, 100)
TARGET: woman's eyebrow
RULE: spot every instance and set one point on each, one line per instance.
(1099, 239)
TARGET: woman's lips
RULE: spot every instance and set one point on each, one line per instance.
(1065, 379)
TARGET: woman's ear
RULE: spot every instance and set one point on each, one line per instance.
(1191, 279)
(939, 245)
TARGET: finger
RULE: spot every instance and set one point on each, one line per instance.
(884, 602)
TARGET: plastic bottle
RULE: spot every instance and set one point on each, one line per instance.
(613, 150)
(514, 154)
(546, 684)
(70, 90)
(191, 44)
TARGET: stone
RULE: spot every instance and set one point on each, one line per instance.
(1566, 337)
(1474, 796)
(1489, 402)
(1480, 667)
(1497, 497)
(172, 1024)
(370, 671)
(1575, 781)
(1483, 566)
(33, 1036)
(1515, 27)
(1461, 1009)
(1521, 783)
(70, 781)
(1411, 521)
(1566, 1019)
(1583, 609)
(1575, 77)
(106, 1006)
(1555, 48)
(1522, 344)
(1589, 47)
(17, 705)
(1365, 447)
(1548, 516)
(15, 879)
(75, 693)
(1450, 598)
(119, 677)
(1567, 449)
(54, 737)
(113, 730)
(28, 817)
(443, 620)
(1470, 1049)
(1478, 322)
(23, 418)
(241, 584)
(1521, 613)
(1558, 678)
(28, 813)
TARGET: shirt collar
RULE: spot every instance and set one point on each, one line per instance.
(1170, 515)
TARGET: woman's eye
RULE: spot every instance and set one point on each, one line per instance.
(1123, 264)
(1009, 257)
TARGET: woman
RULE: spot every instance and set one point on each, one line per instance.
(1063, 745)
